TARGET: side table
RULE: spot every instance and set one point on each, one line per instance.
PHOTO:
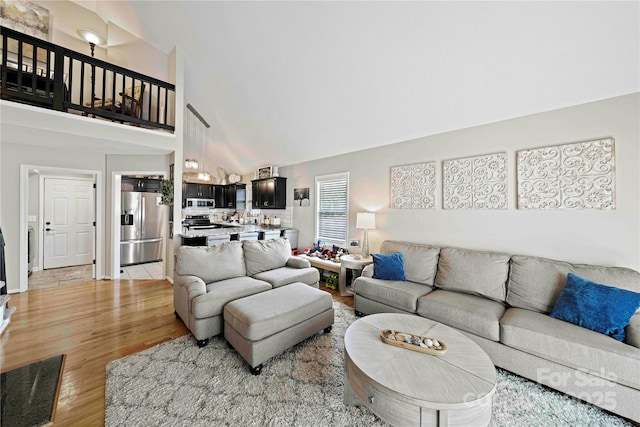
(351, 263)
(323, 264)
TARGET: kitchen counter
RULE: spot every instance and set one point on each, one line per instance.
(230, 229)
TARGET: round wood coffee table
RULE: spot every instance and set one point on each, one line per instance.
(405, 387)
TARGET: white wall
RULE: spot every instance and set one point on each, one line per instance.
(177, 75)
(14, 155)
(128, 51)
(589, 236)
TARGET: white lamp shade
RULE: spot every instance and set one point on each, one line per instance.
(366, 220)
(91, 36)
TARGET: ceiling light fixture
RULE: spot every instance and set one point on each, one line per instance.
(191, 164)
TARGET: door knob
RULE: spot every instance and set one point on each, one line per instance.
(49, 229)
(47, 223)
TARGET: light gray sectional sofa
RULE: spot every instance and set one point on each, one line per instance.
(207, 278)
(502, 302)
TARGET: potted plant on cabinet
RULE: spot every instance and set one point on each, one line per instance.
(166, 190)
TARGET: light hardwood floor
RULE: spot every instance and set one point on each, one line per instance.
(92, 323)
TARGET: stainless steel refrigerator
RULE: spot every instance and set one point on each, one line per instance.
(141, 228)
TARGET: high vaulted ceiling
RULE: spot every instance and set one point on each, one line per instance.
(286, 82)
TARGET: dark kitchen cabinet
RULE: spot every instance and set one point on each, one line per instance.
(140, 185)
(193, 190)
(190, 190)
(219, 192)
(194, 241)
(269, 193)
(235, 196)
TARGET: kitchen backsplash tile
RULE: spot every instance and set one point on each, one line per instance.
(285, 215)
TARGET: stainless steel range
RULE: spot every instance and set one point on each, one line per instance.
(198, 222)
(201, 222)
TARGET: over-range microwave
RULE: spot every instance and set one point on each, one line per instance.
(201, 203)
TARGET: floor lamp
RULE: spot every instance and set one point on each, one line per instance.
(94, 39)
(366, 221)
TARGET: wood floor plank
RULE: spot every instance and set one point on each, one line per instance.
(92, 323)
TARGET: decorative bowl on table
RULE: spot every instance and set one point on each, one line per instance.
(413, 342)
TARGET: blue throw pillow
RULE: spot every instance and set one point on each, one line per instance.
(601, 308)
(388, 266)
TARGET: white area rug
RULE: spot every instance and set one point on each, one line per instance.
(179, 384)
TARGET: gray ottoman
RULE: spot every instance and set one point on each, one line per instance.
(263, 325)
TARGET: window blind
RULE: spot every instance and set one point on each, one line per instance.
(332, 208)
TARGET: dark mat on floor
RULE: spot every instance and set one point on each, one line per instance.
(29, 393)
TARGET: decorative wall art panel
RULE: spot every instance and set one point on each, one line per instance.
(414, 186)
(26, 17)
(571, 176)
(475, 182)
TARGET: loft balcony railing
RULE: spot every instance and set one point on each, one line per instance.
(36, 72)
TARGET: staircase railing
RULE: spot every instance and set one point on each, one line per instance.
(40, 73)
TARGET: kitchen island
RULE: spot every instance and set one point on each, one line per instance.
(228, 231)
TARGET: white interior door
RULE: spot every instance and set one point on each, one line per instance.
(69, 232)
